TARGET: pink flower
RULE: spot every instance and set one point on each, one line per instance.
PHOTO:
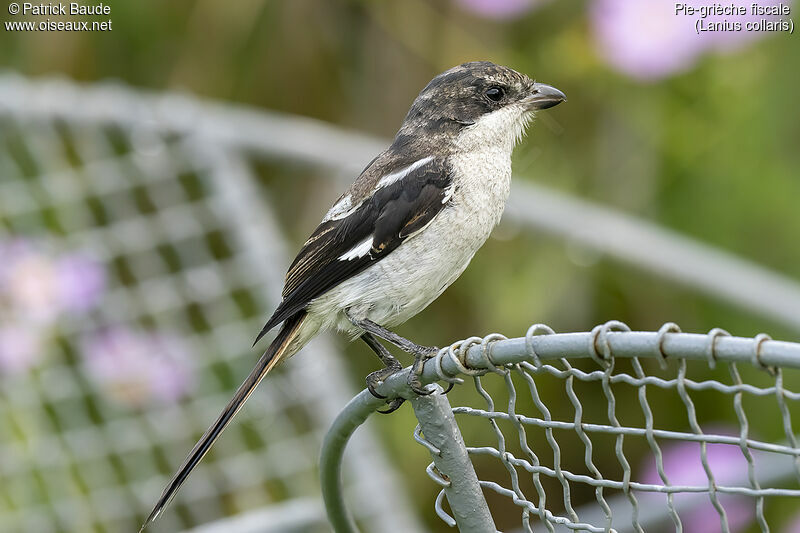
(138, 368)
(683, 466)
(80, 281)
(499, 9)
(37, 287)
(28, 284)
(647, 40)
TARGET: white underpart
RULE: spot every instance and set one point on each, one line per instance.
(400, 174)
(359, 250)
(401, 285)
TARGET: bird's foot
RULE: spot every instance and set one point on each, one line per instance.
(393, 405)
(376, 378)
(426, 352)
(422, 354)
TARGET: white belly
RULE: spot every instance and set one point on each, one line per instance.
(419, 270)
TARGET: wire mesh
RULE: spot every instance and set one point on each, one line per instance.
(132, 182)
(666, 443)
(131, 284)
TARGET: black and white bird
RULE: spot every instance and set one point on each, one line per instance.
(404, 230)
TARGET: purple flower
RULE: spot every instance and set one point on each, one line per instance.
(683, 466)
(647, 40)
(499, 9)
(37, 287)
(644, 39)
(138, 368)
(80, 282)
(20, 348)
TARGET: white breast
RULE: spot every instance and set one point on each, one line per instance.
(411, 277)
(419, 270)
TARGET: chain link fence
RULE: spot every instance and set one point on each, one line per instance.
(630, 402)
(138, 260)
(131, 224)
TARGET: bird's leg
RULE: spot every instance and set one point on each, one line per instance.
(390, 336)
(420, 353)
(392, 366)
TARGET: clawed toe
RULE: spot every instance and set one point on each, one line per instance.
(414, 381)
(371, 389)
(376, 378)
(421, 354)
(393, 405)
(416, 385)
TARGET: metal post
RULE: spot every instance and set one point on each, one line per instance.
(461, 484)
(352, 416)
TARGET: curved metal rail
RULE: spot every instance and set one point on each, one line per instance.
(477, 356)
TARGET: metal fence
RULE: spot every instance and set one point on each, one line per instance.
(139, 258)
(545, 393)
(158, 193)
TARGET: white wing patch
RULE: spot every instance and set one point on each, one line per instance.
(359, 250)
(342, 209)
(448, 193)
(400, 174)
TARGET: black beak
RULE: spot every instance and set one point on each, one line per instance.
(544, 97)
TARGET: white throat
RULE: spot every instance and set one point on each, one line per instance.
(499, 130)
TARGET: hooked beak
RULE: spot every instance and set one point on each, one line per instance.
(544, 97)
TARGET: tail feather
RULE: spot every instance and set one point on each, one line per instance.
(267, 362)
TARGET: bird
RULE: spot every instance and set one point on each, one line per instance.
(403, 232)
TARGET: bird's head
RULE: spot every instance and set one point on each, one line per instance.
(489, 102)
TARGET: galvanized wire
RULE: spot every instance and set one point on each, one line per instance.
(544, 359)
(184, 235)
(528, 364)
(210, 139)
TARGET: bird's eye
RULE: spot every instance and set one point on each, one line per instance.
(495, 94)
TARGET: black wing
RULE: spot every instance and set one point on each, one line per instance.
(392, 214)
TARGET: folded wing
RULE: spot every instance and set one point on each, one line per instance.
(404, 202)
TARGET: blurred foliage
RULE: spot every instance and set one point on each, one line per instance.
(711, 152)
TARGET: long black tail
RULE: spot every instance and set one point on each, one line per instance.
(271, 357)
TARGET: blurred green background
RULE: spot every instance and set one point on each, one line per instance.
(697, 133)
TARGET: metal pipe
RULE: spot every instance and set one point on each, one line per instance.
(330, 463)
(455, 470)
